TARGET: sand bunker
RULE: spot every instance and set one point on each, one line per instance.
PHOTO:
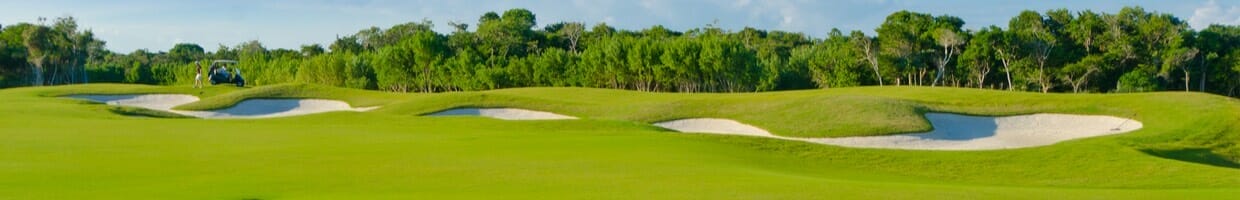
(502, 113)
(952, 132)
(253, 108)
(712, 125)
(162, 102)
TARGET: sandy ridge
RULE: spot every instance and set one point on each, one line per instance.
(951, 131)
(250, 108)
(503, 113)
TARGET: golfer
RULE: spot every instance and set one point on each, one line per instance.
(198, 76)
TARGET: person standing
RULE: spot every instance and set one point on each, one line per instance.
(198, 76)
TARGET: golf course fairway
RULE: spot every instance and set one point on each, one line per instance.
(53, 146)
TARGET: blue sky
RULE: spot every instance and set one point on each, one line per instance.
(157, 25)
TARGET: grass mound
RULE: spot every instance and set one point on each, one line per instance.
(356, 98)
(801, 114)
(143, 112)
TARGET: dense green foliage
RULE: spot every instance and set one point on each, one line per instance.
(72, 149)
(1054, 51)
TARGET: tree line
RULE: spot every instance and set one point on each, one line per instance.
(1059, 50)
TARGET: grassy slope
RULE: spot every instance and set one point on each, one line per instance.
(811, 114)
(61, 149)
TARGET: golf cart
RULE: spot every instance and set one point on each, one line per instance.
(219, 73)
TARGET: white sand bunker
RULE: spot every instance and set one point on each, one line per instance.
(502, 113)
(254, 108)
(951, 131)
(713, 125)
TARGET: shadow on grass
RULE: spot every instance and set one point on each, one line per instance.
(1195, 155)
(142, 112)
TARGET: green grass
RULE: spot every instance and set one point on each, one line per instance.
(60, 148)
(143, 112)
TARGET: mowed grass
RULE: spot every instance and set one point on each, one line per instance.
(60, 148)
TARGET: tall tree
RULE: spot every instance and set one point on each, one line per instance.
(1179, 59)
(38, 46)
(869, 49)
(1086, 29)
(979, 55)
(311, 50)
(1037, 42)
(1216, 43)
(1077, 74)
(950, 41)
(509, 35)
(572, 31)
(346, 44)
(833, 62)
(186, 52)
(1005, 46)
(900, 37)
(907, 39)
(681, 57)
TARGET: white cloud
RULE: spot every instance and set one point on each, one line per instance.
(1213, 13)
(741, 3)
(658, 8)
(650, 4)
(609, 20)
(784, 14)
